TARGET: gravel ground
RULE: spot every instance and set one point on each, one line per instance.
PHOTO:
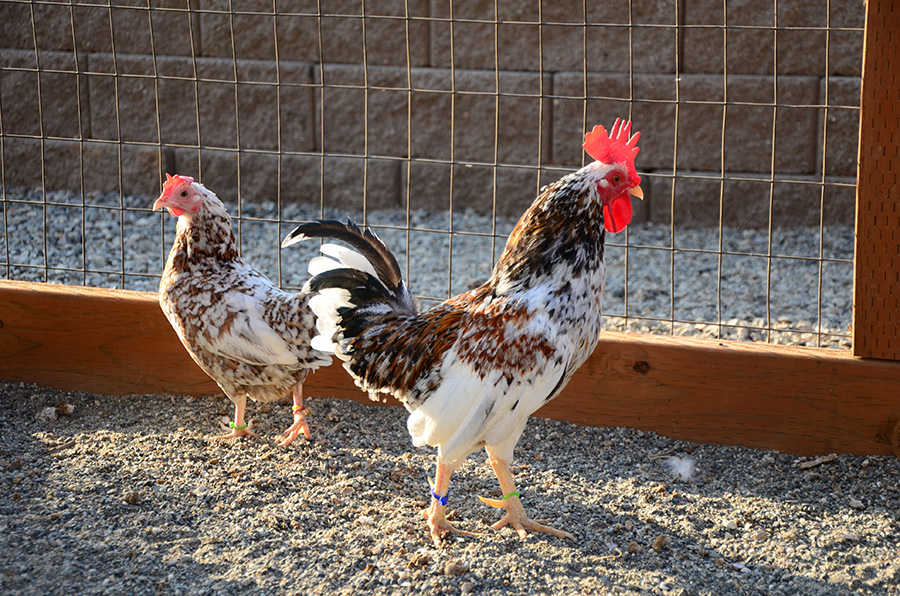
(792, 296)
(123, 495)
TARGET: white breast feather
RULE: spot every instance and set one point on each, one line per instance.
(469, 410)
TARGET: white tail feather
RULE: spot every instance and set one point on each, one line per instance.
(319, 265)
(322, 343)
(325, 305)
(349, 258)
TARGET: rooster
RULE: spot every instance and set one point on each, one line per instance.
(252, 338)
(472, 369)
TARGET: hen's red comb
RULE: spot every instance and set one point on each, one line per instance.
(171, 181)
(616, 147)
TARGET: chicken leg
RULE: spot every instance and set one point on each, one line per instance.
(437, 513)
(515, 512)
(238, 427)
(299, 419)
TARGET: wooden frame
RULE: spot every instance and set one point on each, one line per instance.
(800, 400)
(876, 312)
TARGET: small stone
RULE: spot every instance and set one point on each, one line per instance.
(418, 561)
(729, 524)
(466, 587)
(659, 542)
(455, 567)
(847, 537)
(633, 548)
(347, 490)
(47, 415)
(133, 498)
(65, 409)
(805, 465)
(856, 504)
(760, 535)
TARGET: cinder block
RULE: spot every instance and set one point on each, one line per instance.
(138, 165)
(17, 26)
(800, 38)
(122, 107)
(57, 112)
(211, 97)
(748, 128)
(845, 51)
(87, 27)
(850, 13)
(168, 30)
(801, 51)
(339, 186)
(73, 165)
(840, 202)
(512, 39)
(341, 31)
(746, 202)
(842, 132)
(427, 185)
(22, 162)
(429, 121)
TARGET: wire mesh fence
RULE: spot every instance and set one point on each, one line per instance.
(437, 123)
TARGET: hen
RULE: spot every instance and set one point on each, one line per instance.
(248, 335)
(472, 369)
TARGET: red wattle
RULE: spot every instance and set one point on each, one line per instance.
(617, 214)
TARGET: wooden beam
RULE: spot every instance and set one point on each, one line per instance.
(798, 400)
(876, 304)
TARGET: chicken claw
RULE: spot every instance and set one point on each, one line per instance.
(300, 412)
(515, 512)
(237, 432)
(520, 522)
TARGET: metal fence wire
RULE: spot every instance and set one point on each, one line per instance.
(437, 123)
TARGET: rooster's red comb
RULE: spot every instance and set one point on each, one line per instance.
(171, 181)
(616, 147)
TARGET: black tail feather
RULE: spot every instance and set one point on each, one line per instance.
(365, 241)
(363, 287)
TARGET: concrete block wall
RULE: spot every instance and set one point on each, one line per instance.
(395, 102)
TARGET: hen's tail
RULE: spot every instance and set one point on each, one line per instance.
(355, 288)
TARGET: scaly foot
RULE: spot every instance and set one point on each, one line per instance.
(294, 430)
(515, 512)
(438, 525)
(237, 432)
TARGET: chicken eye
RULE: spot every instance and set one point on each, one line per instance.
(616, 179)
(184, 194)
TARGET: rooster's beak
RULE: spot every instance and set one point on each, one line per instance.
(637, 192)
(159, 204)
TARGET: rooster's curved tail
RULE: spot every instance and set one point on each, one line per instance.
(355, 289)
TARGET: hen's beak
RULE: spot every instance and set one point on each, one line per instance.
(159, 204)
(636, 192)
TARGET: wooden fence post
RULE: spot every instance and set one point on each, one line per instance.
(876, 292)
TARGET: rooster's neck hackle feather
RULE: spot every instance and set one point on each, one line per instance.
(559, 237)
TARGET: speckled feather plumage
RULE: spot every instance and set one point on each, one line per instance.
(251, 337)
(472, 369)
